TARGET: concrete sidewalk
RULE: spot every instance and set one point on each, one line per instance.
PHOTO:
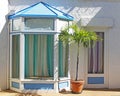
(92, 92)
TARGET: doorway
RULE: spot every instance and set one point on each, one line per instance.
(96, 66)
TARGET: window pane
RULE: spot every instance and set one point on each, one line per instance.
(96, 56)
(16, 24)
(39, 24)
(63, 59)
(39, 56)
(15, 56)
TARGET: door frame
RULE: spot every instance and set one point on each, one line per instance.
(102, 79)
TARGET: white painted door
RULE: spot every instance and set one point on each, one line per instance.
(96, 67)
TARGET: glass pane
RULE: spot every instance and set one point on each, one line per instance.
(96, 57)
(39, 24)
(15, 56)
(63, 59)
(16, 24)
(39, 56)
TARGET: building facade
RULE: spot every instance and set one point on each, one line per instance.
(101, 16)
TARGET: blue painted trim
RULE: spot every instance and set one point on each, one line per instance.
(95, 80)
(41, 16)
(63, 85)
(48, 11)
(64, 15)
(38, 86)
(15, 85)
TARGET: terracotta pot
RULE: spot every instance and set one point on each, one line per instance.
(77, 86)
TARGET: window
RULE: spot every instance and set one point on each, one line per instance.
(96, 57)
(16, 24)
(15, 55)
(63, 59)
(39, 24)
(39, 56)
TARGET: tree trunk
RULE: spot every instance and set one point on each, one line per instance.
(77, 62)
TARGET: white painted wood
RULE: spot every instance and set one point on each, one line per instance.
(22, 51)
(56, 62)
(61, 24)
(106, 62)
(10, 73)
(22, 60)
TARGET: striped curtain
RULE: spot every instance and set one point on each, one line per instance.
(96, 56)
(39, 55)
(15, 55)
(63, 59)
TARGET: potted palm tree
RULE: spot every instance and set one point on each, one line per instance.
(81, 37)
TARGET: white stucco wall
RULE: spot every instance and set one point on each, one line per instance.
(90, 11)
(4, 46)
(3, 13)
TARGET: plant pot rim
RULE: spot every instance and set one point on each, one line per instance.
(78, 80)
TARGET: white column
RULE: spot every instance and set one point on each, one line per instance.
(69, 67)
(10, 59)
(22, 60)
(22, 24)
(69, 23)
(56, 57)
(56, 63)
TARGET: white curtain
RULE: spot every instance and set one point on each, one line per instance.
(63, 59)
(15, 55)
(96, 56)
(39, 56)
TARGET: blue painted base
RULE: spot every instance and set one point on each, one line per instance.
(41, 86)
(38, 86)
(63, 85)
(95, 80)
(15, 85)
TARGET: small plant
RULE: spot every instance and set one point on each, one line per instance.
(81, 37)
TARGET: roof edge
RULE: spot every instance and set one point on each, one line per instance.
(64, 16)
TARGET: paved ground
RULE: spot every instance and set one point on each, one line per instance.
(91, 92)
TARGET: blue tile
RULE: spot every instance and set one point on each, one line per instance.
(38, 86)
(63, 85)
(95, 80)
(15, 85)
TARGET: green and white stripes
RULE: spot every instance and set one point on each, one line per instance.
(39, 55)
(63, 59)
(15, 56)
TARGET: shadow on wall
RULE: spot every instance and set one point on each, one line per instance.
(79, 9)
(4, 56)
(76, 8)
